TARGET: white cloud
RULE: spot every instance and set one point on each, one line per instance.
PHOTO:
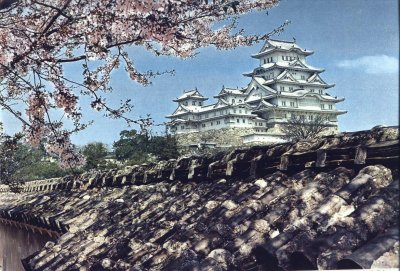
(372, 64)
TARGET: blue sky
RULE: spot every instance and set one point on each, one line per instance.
(356, 42)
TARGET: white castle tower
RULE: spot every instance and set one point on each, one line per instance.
(282, 87)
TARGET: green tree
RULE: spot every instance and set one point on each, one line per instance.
(40, 170)
(142, 147)
(20, 162)
(164, 147)
(130, 145)
(36, 164)
(95, 154)
(8, 164)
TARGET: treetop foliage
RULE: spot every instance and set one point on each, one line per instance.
(137, 147)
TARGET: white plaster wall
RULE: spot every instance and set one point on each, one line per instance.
(311, 103)
(259, 138)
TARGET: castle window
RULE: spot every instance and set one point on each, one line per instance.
(206, 116)
(203, 125)
(285, 116)
(233, 101)
(243, 120)
(193, 103)
(322, 106)
(240, 101)
(260, 124)
(218, 122)
(330, 106)
(292, 104)
(283, 103)
(320, 91)
(200, 103)
(221, 112)
(182, 127)
(283, 58)
(212, 123)
(292, 116)
(185, 103)
(240, 111)
(265, 60)
(291, 88)
(282, 88)
(234, 110)
(312, 90)
(310, 117)
(237, 120)
(215, 113)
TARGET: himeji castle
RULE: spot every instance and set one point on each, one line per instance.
(282, 87)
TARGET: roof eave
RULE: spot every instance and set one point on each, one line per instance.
(186, 98)
(299, 51)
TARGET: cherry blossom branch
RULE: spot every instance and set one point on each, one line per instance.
(60, 11)
(13, 112)
(37, 37)
(55, 17)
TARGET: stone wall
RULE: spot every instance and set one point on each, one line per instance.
(232, 137)
(226, 137)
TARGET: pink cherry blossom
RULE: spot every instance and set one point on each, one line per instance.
(38, 38)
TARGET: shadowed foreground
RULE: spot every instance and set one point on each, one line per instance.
(328, 203)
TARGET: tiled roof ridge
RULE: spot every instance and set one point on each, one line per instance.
(355, 143)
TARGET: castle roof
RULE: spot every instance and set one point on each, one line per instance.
(280, 46)
(180, 110)
(230, 91)
(286, 77)
(296, 65)
(191, 94)
(302, 93)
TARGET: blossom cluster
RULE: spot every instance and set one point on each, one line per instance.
(63, 148)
